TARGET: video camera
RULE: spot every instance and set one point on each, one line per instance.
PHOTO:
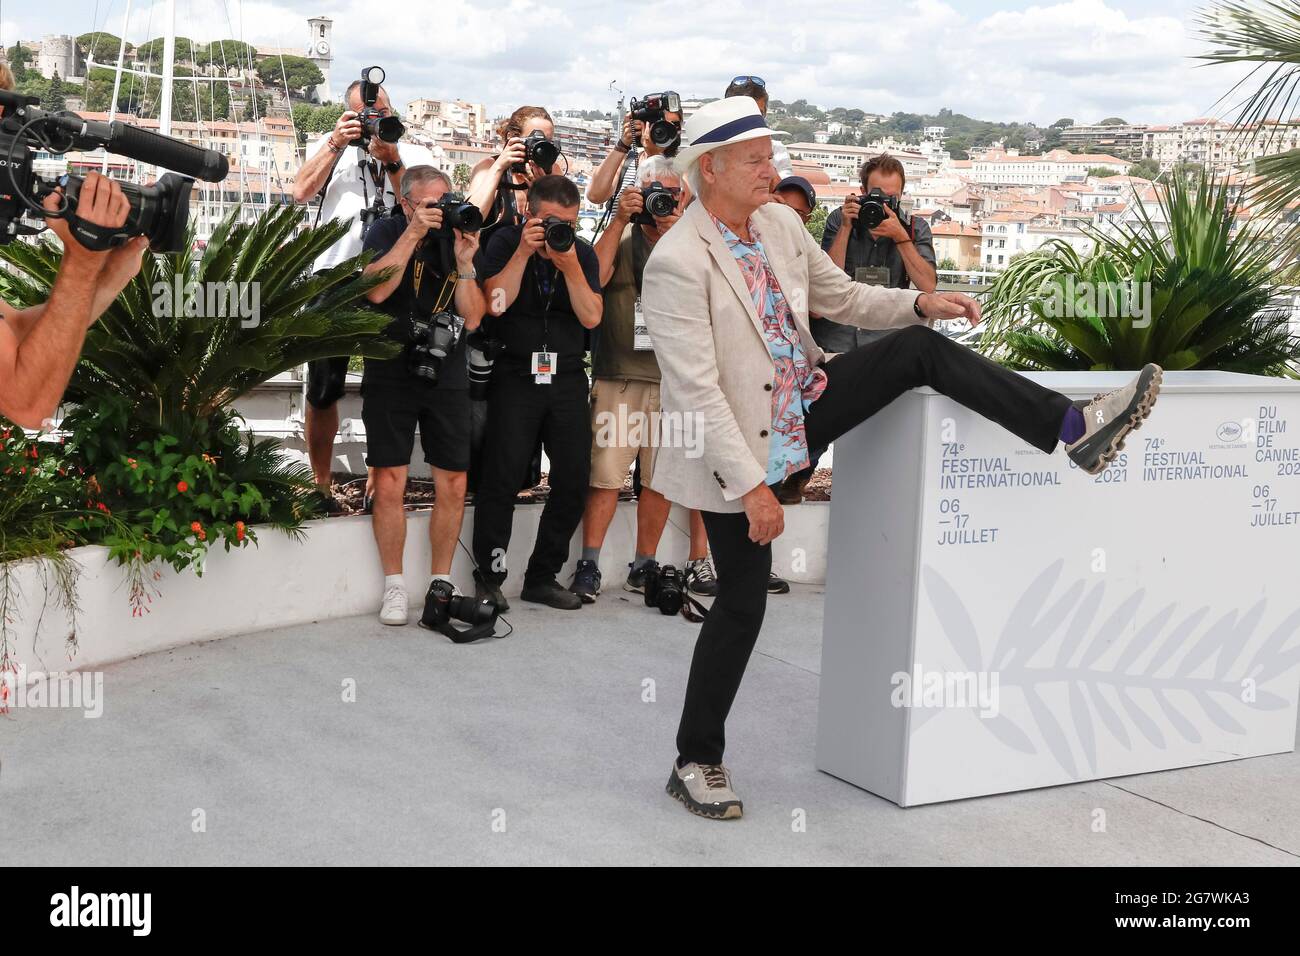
(663, 131)
(160, 211)
(871, 211)
(373, 122)
(658, 200)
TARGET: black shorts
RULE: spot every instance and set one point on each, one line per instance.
(391, 413)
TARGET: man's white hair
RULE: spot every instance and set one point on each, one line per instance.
(656, 167)
(692, 174)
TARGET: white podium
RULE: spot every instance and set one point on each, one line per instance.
(998, 620)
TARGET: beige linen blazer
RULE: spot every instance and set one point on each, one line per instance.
(717, 371)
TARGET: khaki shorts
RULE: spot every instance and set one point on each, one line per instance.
(624, 426)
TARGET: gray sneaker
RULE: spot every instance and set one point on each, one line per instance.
(706, 791)
(1109, 418)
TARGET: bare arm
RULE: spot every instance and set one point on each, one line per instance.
(470, 301)
(604, 181)
(486, 178)
(503, 288)
(918, 268)
(588, 305)
(315, 172)
(607, 245)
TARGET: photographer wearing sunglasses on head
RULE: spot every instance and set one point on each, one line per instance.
(357, 170)
(756, 89)
(426, 247)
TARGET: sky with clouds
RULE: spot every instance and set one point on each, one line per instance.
(992, 59)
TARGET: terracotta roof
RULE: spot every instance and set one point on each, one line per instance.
(955, 229)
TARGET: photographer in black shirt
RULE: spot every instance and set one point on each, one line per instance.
(544, 284)
(433, 297)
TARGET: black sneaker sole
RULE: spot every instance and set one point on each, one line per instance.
(778, 587)
(1100, 450)
(677, 790)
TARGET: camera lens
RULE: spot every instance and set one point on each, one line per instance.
(560, 235)
(662, 133)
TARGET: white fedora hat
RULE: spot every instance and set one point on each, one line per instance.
(720, 123)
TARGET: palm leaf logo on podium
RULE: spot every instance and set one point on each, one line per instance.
(1116, 667)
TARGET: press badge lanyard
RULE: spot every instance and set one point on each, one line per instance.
(543, 364)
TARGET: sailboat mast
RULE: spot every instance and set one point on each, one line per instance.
(169, 54)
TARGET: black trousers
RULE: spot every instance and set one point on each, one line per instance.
(520, 412)
(859, 383)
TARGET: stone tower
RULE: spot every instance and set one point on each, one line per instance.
(320, 51)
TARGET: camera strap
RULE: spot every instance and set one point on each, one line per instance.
(693, 610)
(468, 635)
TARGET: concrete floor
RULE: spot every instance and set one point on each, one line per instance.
(539, 749)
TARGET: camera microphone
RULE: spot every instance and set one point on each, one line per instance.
(140, 144)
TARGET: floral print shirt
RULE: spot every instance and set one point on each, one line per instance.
(797, 383)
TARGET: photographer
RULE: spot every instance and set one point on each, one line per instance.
(39, 346)
(620, 168)
(543, 284)
(512, 167)
(897, 254)
(756, 89)
(360, 178)
(416, 388)
(625, 393)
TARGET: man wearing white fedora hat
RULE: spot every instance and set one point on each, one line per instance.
(726, 296)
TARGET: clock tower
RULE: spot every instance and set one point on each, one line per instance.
(320, 51)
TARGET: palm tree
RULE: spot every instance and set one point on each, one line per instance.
(178, 372)
(1204, 291)
(1265, 33)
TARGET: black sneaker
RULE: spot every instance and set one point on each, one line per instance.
(1109, 418)
(636, 577)
(551, 594)
(485, 590)
(586, 581)
(777, 585)
(700, 578)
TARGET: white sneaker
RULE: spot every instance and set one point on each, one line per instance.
(394, 608)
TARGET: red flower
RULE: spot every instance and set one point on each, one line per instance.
(195, 526)
(239, 531)
(182, 487)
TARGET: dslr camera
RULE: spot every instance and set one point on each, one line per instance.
(160, 211)
(456, 214)
(872, 211)
(442, 606)
(658, 201)
(560, 233)
(665, 588)
(540, 150)
(373, 121)
(651, 109)
(433, 338)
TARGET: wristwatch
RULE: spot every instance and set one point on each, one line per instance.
(393, 168)
(468, 274)
(916, 306)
